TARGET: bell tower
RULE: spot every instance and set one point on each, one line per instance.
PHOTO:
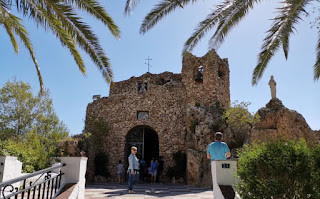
(206, 79)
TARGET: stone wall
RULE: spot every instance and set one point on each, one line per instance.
(317, 134)
(153, 81)
(165, 97)
(165, 102)
(214, 87)
(277, 121)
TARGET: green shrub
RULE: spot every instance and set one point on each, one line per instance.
(280, 169)
(180, 166)
(238, 116)
(193, 125)
(315, 154)
(197, 104)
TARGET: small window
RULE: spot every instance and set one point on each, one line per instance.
(139, 86)
(199, 74)
(142, 115)
(220, 72)
(145, 86)
(142, 87)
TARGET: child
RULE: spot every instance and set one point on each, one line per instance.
(149, 174)
(154, 169)
(120, 171)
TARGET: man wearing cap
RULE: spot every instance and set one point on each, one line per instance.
(217, 150)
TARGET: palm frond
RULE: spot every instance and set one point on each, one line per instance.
(226, 15)
(160, 11)
(85, 38)
(130, 5)
(316, 67)
(231, 14)
(15, 23)
(279, 33)
(58, 29)
(95, 9)
(3, 4)
(8, 28)
(61, 18)
(65, 24)
(205, 25)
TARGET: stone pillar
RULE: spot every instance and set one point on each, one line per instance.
(10, 167)
(74, 172)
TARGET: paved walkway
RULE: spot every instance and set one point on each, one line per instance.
(147, 191)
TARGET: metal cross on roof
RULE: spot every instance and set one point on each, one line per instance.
(148, 59)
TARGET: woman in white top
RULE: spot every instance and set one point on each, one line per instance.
(133, 166)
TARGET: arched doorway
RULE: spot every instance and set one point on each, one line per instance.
(147, 142)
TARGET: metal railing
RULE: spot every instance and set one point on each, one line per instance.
(44, 187)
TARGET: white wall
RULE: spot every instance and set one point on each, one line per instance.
(74, 172)
(10, 167)
(225, 173)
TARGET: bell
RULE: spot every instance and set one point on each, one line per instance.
(199, 76)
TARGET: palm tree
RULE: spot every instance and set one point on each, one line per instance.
(61, 18)
(227, 15)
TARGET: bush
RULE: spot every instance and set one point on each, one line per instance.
(180, 166)
(238, 116)
(193, 126)
(280, 169)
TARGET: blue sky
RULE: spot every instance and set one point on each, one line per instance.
(71, 91)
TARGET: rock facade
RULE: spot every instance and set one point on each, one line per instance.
(277, 121)
(158, 103)
(317, 134)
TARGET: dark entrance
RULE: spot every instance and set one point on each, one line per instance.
(147, 142)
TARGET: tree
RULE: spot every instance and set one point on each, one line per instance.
(226, 16)
(29, 127)
(62, 18)
(239, 117)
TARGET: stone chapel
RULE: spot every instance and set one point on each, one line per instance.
(150, 111)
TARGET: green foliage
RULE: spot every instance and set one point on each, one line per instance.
(29, 127)
(193, 126)
(315, 156)
(99, 128)
(180, 166)
(197, 104)
(63, 19)
(280, 169)
(239, 117)
(101, 161)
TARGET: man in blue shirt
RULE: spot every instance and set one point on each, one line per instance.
(217, 150)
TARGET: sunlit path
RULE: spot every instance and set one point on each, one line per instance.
(146, 191)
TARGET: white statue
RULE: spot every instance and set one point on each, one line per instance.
(273, 88)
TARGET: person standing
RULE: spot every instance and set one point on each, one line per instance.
(160, 169)
(217, 150)
(133, 166)
(142, 169)
(120, 171)
(154, 168)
